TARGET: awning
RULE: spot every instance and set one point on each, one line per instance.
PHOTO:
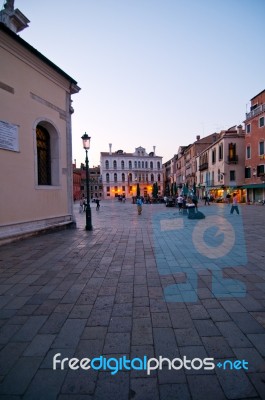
(254, 186)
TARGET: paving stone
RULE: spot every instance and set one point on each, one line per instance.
(206, 328)
(120, 324)
(174, 391)
(116, 386)
(117, 343)
(233, 334)
(247, 323)
(205, 387)
(80, 382)
(20, 376)
(258, 381)
(217, 347)
(255, 362)
(70, 333)
(45, 385)
(39, 345)
(236, 384)
(54, 323)
(187, 337)
(161, 320)
(218, 314)
(94, 332)
(198, 312)
(9, 355)
(144, 388)
(258, 341)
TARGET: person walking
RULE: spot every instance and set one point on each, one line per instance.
(207, 199)
(234, 204)
(98, 205)
(180, 202)
(139, 204)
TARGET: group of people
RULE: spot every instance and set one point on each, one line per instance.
(185, 202)
(83, 205)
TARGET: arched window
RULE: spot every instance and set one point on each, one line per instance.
(135, 164)
(130, 164)
(115, 164)
(146, 164)
(122, 164)
(115, 177)
(107, 164)
(151, 164)
(107, 177)
(130, 177)
(43, 156)
(123, 177)
(158, 177)
(158, 165)
(152, 177)
(142, 164)
(139, 164)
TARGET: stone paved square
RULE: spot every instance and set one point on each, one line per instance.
(134, 288)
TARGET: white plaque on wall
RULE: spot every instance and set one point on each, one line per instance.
(8, 136)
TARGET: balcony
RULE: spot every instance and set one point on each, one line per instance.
(203, 166)
(232, 159)
(255, 112)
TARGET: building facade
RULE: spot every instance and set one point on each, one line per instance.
(121, 172)
(255, 149)
(35, 136)
(220, 167)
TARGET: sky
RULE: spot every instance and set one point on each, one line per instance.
(152, 72)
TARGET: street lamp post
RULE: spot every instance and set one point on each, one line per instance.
(86, 146)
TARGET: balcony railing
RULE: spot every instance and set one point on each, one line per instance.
(256, 111)
(203, 166)
(232, 159)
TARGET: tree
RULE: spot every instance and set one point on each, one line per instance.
(155, 190)
(138, 190)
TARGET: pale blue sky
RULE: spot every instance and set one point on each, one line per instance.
(152, 72)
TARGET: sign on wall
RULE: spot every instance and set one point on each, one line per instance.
(8, 136)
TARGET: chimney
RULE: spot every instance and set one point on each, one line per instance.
(110, 145)
(239, 129)
(154, 149)
(198, 137)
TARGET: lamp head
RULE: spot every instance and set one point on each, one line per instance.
(86, 141)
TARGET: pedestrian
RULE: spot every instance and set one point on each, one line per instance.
(98, 205)
(228, 196)
(195, 201)
(81, 208)
(234, 204)
(139, 204)
(207, 199)
(180, 202)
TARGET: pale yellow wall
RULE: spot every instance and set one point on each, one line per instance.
(20, 198)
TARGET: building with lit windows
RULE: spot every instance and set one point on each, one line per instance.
(121, 172)
(255, 149)
(220, 166)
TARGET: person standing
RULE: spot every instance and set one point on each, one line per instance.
(139, 204)
(234, 205)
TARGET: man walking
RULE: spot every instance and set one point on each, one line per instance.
(234, 205)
